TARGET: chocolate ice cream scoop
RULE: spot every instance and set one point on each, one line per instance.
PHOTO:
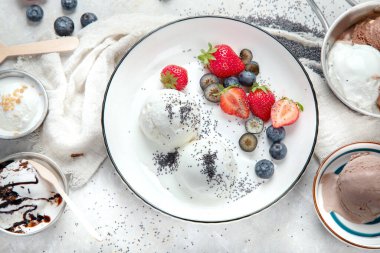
(367, 32)
(373, 34)
(359, 188)
(355, 192)
(359, 34)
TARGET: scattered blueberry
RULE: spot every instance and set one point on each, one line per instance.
(247, 78)
(88, 18)
(275, 134)
(212, 93)
(64, 26)
(253, 67)
(248, 142)
(230, 81)
(208, 79)
(246, 55)
(69, 4)
(278, 150)
(254, 125)
(264, 169)
(34, 13)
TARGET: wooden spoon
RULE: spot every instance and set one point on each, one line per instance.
(50, 177)
(47, 46)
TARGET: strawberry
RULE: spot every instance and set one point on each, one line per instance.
(233, 101)
(260, 100)
(174, 77)
(285, 112)
(221, 60)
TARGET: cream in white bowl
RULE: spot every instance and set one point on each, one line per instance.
(28, 203)
(23, 104)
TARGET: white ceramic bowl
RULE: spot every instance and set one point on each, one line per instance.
(10, 75)
(360, 235)
(55, 169)
(179, 43)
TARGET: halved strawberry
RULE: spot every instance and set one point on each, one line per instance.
(260, 101)
(174, 77)
(233, 101)
(221, 60)
(285, 112)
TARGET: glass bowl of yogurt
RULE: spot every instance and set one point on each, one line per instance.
(23, 104)
(28, 203)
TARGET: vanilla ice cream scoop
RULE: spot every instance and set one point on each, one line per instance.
(206, 167)
(354, 70)
(170, 118)
(355, 192)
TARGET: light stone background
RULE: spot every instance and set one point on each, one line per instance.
(127, 223)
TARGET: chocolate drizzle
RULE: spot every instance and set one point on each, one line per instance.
(11, 198)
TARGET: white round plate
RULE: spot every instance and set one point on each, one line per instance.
(360, 235)
(179, 43)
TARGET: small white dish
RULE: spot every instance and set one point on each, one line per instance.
(179, 43)
(360, 235)
(28, 190)
(15, 87)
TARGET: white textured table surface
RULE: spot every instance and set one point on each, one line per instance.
(129, 225)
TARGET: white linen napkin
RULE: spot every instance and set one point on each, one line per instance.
(76, 90)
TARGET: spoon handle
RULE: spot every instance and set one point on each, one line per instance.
(90, 229)
(47, 46)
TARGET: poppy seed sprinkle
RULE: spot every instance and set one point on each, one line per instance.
(166, 163)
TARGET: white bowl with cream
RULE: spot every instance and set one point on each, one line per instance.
(23, 104)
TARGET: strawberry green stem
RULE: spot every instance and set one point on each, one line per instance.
(206, 56)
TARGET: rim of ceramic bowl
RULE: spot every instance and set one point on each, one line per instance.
(18, 73)
(316, 207)
(62, 179)
(231, 219)
(326, 49)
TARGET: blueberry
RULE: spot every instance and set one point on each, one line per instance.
(275, 134)
(34, 13)
(278, 150)
(88, 18)
(212, 93)
(254, 125)
(264, 169)
(253, 67)
(246, 55)
(69, 4)
(247, 78)
(64, 26)
(232, 80)
(248, 142)
(208, 79)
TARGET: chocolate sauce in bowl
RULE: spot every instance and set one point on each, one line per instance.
(20, 204)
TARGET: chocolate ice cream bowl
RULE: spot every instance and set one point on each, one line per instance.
(363, 235)
(354, 15)
(40, 207)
